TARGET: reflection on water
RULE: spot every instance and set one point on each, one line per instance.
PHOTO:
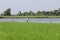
(43, 20)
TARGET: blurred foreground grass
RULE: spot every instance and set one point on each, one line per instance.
(29, 31)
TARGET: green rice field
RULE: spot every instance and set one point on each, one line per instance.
(29, 31)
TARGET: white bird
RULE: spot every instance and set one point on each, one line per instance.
(27, 19)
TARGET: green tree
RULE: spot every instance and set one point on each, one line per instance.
(19, 13)
(38, 13)
(51, 13)
(2, 14)
(56, 12)
(43, 13)
(31, 13)
(7, 12)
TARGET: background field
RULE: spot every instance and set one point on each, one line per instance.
(29, 31)
(29, 16)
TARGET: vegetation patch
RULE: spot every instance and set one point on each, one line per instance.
(29, 16)
(29, 31)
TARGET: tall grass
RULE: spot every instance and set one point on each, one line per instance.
(29, 31)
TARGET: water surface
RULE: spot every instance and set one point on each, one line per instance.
(42, 20)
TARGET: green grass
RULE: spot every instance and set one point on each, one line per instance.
(29, 31)
(29, 16)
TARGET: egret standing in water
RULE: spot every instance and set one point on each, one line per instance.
(27, 19)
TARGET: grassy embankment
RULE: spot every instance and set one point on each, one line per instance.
(29, 16)
(29, 31)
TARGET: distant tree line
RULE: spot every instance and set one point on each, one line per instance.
(7, 12)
